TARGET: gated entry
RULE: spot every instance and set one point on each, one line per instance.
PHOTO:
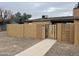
(63, 32)
(53, 31)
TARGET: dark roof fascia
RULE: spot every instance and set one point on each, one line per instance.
(56, 19)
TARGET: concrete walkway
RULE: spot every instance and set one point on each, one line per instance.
(38, 49)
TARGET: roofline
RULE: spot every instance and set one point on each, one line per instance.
(54, 19)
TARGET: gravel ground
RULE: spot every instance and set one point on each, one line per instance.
(63, 49)
(10, 46)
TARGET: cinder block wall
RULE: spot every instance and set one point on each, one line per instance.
(76, 12)
(65, 32)
(59, 32)
(45, 22)
(76, 36)
(34, 31)
(52, 31)
(15, 30)
(76, 26)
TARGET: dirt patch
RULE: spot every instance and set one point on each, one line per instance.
(10, 46)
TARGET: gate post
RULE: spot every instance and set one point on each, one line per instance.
(59, 32)
(76, 25)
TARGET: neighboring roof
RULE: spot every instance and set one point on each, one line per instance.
(54, 19)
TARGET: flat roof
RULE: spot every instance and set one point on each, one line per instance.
(54, 19)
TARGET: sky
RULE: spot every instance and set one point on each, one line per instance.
(37, 9)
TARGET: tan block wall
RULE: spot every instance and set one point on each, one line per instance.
(59, 32)
(53, 31)
(35, 31)
(15, 30)
(68, 33)
(72, 33)
(76, 26)
(65, 33)
(29, 30)
(46, 30)
(45, 26)
(40, 31)
(76, 38)
(41, 22)
(76, 12)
